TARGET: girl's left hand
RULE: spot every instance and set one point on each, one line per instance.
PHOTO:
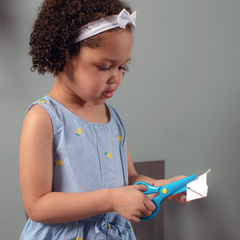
(178, 198)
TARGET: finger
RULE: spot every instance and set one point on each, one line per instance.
(146, 209)
(140, 187)
(183, 198)
(179, 198)
(146, 213)
(172, 198)
(142, 215)
(135, 219)
(153, 195)
(151, 183)
(149, 205)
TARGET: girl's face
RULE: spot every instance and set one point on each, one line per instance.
(95, 74)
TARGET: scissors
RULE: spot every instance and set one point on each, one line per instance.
(165, 191)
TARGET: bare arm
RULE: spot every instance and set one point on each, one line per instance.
(36, 172)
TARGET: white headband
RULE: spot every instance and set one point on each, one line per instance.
(107, 23)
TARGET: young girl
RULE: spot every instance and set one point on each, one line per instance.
(76, 172)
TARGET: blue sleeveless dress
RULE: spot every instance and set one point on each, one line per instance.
(87, 157)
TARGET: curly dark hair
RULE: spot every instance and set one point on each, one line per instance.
(58, 25)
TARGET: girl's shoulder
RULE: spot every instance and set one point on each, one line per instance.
(44, 112)
(49, 105)
(36, 112)
(45, 102)
(37, 122)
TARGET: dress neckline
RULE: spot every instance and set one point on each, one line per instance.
(83, 121)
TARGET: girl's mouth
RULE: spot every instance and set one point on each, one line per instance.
(108, 94)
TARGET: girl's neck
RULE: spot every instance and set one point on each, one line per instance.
(87, 112)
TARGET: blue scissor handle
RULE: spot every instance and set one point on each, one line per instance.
(165, 191)
(150, 188)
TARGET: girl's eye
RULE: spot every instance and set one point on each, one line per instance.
(103, 68)
(125, 68)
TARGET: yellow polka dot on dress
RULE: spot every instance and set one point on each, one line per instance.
(58, 162)
(42, 101)
(78, 238)
(119, 138)
(79, 131)
(108, 154)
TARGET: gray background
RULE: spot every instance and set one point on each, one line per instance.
(179, 102)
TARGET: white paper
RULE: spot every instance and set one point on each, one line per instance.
(198, 188)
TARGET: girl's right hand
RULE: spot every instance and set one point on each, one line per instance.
(131, 203)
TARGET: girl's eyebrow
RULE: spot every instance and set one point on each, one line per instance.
(113, 60)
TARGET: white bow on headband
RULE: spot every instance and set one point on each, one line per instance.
(125, 18)
(104, 24)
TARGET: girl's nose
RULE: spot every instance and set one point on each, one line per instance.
(115, 77)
